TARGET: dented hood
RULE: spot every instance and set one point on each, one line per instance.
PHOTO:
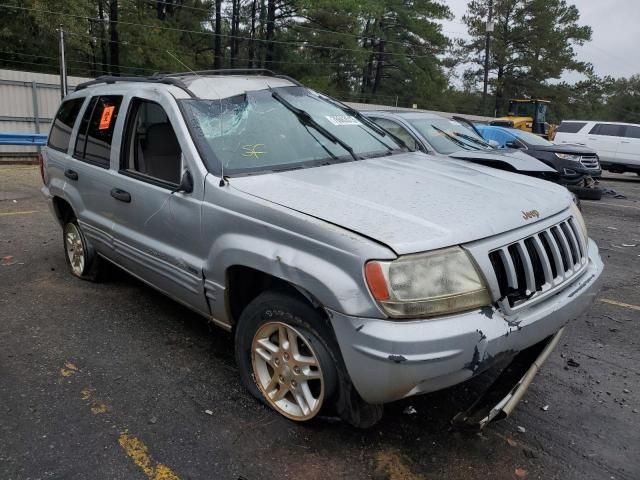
(411, 202)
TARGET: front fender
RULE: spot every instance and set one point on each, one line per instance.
(328, 281)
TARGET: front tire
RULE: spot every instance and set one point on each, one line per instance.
(284, 356)
(80, 257)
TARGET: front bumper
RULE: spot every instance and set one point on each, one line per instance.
(389, 360)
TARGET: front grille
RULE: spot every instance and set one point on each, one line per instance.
(590, 161)
(539, 263)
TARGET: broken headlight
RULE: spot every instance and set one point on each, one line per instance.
(427, 284)
(577, 216)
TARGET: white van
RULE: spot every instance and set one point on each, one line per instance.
(617, 144)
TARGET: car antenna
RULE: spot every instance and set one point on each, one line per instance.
(223, 180)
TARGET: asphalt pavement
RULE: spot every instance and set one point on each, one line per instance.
(115, 381)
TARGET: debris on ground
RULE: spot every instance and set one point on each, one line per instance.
(208, 412)
(612, 193)
(520, 472)
(409, 410)
(572, 363)
(521, 429)
(8, 260)
(153, 420)
(629, 245)
(545, 408)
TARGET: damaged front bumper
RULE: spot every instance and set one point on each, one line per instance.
(389, 360)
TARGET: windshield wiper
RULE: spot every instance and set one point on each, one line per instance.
(472, 139)
(308, 120)
(455, 140)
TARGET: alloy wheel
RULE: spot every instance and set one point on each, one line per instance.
(75, 248)
(287, 371)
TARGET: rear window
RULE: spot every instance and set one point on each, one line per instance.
(571, 127)
(632, 132)
(63, 124)
(607, 129)
(93, 144)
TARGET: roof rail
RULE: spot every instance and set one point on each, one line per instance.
(233, 71)
(153, 79)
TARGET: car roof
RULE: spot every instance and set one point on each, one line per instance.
(209, 86)
(598, 121)
(402, 114)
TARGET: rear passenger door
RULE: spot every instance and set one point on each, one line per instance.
(629, 150)
(157, 228)
(87, 174)
(605, 138)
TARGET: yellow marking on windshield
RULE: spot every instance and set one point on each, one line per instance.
(620, 304)
(253, 150)
(139, 453)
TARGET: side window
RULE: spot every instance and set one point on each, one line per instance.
(632, 132)
(607, 129)
(62, 127)
(95, 135)
(397, 130)
(152, 148)
(571, 127)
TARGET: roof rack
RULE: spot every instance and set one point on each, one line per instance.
(153, 79)
(234, 71)
(170, 78)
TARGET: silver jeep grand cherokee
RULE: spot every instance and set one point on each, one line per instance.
(350, 271)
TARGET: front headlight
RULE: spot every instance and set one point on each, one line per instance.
(577, 215)
(568, 156)
(427, 284)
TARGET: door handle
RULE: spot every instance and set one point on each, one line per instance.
(71, 174)
(121, 195)
(625, 142)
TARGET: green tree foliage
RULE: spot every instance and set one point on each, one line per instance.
(533, 43)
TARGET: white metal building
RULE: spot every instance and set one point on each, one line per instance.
(28, 103)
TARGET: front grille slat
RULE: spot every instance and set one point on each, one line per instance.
(566, 250)
(510, 270)
(527, 266)
(544, 260)
(590, 161)
(538, 263)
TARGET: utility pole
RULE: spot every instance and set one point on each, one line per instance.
(63, 65)
(488, 32)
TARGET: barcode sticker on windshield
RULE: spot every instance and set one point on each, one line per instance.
(342, 120)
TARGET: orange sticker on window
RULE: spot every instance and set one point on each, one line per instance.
(105, 120)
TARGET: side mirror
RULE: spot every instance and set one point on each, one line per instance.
(513, 144)
(186, 183)
(494, 144)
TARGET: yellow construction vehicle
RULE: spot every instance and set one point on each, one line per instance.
(529, 115)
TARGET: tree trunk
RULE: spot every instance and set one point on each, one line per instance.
(217, 41)
(114, 46)
(160, 10)
(365, 68)
(499, 90)
(271, 19)
(252, 42)
(261, 34)
(103, 40)
(233, 40)
(380, 61)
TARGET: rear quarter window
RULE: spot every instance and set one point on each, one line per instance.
(632, 131)
(571, 127)
(62, 127)
(607, 129)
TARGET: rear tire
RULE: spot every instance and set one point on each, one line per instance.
(81, 258)
(584, 193)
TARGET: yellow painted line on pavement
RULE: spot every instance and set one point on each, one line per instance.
(88, 395)
(26, 212)
(68, 369)
(139, 453)
(620, 304)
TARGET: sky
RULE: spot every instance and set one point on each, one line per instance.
(615, 46)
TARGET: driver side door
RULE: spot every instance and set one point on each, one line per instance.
(157, 230)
